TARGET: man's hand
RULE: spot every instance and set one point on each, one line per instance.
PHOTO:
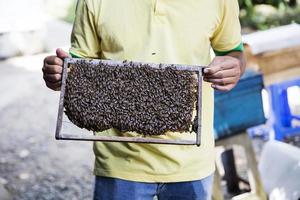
(52, 69)
(224, 72)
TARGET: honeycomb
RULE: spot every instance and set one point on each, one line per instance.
(130, 97)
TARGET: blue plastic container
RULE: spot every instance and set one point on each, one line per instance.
(241, 108)
(281, 110)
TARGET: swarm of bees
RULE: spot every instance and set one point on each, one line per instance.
(146, 100)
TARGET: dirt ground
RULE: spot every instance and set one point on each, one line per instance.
(33, 165)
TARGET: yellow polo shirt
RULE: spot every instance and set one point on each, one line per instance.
(159, 31)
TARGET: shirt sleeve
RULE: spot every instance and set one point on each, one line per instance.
(84, 38)
(227, 36)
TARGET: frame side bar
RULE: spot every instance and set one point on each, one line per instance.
(61, 99)
(198, 137)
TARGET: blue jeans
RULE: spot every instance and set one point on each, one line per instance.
(117, 189)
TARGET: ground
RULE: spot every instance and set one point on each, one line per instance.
(33, 165)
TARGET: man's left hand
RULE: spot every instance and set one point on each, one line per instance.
(224, 72)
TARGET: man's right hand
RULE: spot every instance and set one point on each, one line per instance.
(52, 69)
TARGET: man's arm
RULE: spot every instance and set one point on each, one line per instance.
(224, 72)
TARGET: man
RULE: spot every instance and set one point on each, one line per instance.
(160, 31)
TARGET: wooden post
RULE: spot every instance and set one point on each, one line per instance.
(255, 181)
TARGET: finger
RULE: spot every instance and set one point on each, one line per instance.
(221, 81)
(234, 72)
(52, 69)
(216, 67)
(52, 78)
(53, 86)
(61, 53)
(223, 88)
(53, 60)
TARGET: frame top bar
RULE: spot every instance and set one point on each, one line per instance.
(195, 68)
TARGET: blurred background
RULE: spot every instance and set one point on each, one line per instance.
(257, 127)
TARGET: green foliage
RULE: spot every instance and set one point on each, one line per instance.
(248, 4)
(264, 14)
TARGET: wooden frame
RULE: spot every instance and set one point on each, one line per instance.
(60, 135)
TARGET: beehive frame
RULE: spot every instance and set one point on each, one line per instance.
(60, 135)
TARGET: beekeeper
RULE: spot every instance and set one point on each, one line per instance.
(159, 31)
